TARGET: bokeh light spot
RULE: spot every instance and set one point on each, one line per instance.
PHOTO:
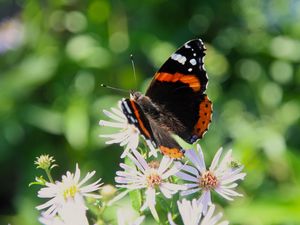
(274, 144)
(84, 82)
(160, 52)
(77, 124)
(281, 71)
(119, 41)
(56, 20)
(215, 62)
(271, 94)
(249, 69)
(285, 48)
(85, 49)
(75, 21)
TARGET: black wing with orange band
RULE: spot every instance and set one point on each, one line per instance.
(150, 130)
(136, 116)
(179, 86)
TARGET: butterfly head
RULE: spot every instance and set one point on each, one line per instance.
(136, 95)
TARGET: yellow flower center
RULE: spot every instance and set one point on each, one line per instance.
(153, 179)
(70, 192)
(208, 181)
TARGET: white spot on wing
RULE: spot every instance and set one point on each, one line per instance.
(132, 119)
(193, 62)
(179, 58)
(190, 69)
(127, 107)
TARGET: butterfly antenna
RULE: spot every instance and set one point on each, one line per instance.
(133, 68)
(113, 88)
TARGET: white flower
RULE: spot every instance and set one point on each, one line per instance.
(128, 135)
(149, 176)
(70, 213)
(69, 189)
(220, 176)
(191, 214)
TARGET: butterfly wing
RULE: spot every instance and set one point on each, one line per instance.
(179, 87)
(154, 134)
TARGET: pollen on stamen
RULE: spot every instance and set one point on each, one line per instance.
(153, 179)
(70, 192)
(208, 181)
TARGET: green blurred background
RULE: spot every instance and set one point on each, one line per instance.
(55, 54)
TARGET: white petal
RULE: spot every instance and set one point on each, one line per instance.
(169, 173)
(77, 174)
(125, 152)
(216, 160)
(114, 116)
(116, 141)
(47, 204)
(229, 173)
(118, 112)
(205, 200)
(153, 151)
(168, 189)
(196, 159)
(187, 177)
(111, 124)
(191, 170)
(139, 220)
(166, 192)
(191, 185)
(209, 219)
(189, 192)
(190, 212)
(150, 202)
(171, 222)
(225, 162)
(234, 178)
(164, 164)
(91, 187)
(87, 177)
(141, 161)
(225, 196)
(119, 135)
(118, 197)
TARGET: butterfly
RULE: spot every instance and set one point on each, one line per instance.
(174, 103)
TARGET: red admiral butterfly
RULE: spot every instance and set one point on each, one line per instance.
(174, 102)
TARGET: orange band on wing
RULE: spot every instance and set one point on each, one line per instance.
(136, 112)
(205, 112)
(190, 80)
(174, 153)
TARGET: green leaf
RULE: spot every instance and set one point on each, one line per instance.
(163, 206)
(136, 199)
(38, 181)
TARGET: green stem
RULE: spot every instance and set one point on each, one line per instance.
(49, 175)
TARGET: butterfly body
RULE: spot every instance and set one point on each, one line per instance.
(175, 102)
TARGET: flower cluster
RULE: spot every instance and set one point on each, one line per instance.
(66, 204)
(162, 176)
(149, 179)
